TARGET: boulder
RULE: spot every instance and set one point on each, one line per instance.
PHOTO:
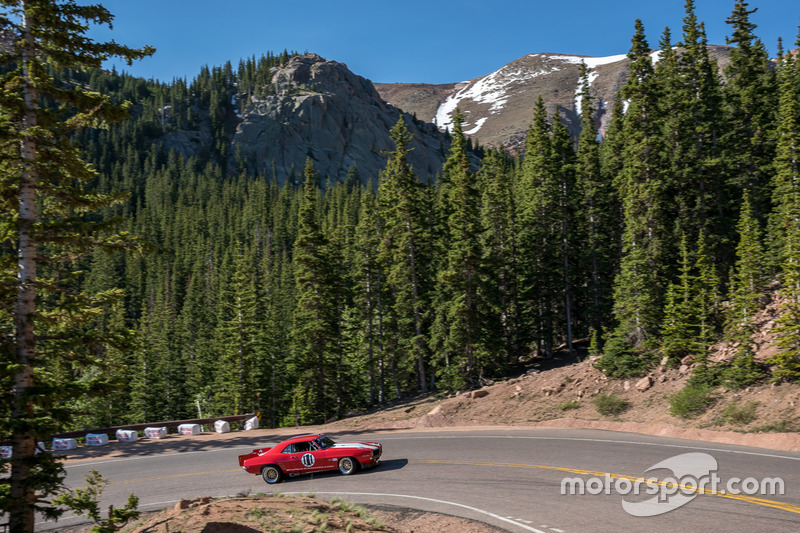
(644, 383)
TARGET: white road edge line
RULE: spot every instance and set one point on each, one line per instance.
(610, 441)
(455, 504)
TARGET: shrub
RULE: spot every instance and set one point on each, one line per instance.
(621, 361)
(610, 404)
(691, 401)
(566, 406)
(736, 414)
(783, 426)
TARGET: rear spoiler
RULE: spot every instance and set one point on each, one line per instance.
(254, 453)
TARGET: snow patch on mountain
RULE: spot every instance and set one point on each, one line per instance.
(496, 88)
(491, 89)
(478, 124)
(591, 64)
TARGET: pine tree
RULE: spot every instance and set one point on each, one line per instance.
(706, 300)
(403, 249)
(567, 227)
(369, 295)
(539, 238)
(638, 288)
(679, 331)
(240, 335)
(499, 243)
(43, 206)
(595, 222)
(747, 284)
(691, 107)
(749, 106)
(787, 217)
(461, 308)
(315, 330)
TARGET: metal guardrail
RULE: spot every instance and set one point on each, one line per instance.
(171, 424)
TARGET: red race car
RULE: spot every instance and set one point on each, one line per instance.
(310, 453)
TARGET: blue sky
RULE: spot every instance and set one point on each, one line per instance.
(412, 41)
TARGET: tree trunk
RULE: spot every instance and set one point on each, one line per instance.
(23, 497)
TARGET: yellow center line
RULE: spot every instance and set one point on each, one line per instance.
(741, 497)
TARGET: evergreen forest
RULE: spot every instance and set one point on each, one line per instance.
(305, 300)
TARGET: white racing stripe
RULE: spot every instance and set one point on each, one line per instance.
(358, 445)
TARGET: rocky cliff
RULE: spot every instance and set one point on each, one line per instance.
(320, 109)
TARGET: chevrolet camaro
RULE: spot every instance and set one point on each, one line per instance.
(310, 453)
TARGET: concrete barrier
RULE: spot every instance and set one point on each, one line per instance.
(127, 435)
(189, 429)
(155, 433)
(64, 444)
(96, 439)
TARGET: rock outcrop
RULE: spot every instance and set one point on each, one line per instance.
(319, 109)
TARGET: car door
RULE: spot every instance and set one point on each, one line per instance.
(303, 457)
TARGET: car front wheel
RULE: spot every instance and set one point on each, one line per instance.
(271, 474)
(347, 465)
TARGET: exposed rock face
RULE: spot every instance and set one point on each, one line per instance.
(321, 110)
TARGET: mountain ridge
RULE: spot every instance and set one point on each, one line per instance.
(498, 107)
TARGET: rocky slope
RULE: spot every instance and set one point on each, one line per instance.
(498, 107)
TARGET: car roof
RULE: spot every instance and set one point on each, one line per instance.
(302, 438)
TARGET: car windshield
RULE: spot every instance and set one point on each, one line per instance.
(324, 442)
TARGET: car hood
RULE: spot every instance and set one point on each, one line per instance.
(359, 445)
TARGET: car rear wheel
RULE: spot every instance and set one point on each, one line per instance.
(347, 465)
(271, 474)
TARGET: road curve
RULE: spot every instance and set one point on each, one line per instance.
(511, 478)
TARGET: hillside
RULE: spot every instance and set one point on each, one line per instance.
(563, 392)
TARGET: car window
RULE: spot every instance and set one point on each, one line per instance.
(288, 449)
(324, 442)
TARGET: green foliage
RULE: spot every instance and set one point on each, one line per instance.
(86, 501)
(786, 219)
(736, 414)
(619, 360)
(567, 406)
(56, 348)
(744, 370)
(691, 401)
(610, 404)
(639, 284)
(782, 426)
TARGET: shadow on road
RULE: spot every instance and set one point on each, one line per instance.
(390, 464)
(175, 443)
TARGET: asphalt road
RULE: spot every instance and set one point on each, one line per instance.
(510, 478)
